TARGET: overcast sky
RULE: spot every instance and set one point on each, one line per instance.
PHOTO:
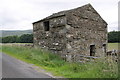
(20, 14)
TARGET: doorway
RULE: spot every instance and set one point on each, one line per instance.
(92, 50)
(104, 48)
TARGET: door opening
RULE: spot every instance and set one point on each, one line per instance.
(92, 50)
(104, 48)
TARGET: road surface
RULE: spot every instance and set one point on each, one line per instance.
(13, 68)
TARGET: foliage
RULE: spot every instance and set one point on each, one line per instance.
(102, 67)
(25, 38)
(114, 36)
(10, 39)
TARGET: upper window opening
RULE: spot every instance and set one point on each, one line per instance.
(46, 26)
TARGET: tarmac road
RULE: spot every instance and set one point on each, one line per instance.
(13, 68)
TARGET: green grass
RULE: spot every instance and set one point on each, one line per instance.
(112, 46)
(100, 68)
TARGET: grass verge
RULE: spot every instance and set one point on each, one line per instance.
(101, 68)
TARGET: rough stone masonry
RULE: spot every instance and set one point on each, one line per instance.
(72, 33)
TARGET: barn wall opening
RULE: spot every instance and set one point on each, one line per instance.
(92, 50)
(104, 47)
(46, 26)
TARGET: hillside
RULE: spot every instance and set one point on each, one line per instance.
(14, 32)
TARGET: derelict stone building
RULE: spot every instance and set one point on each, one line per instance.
(72, 33)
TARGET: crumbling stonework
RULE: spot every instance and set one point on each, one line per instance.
(72, 33)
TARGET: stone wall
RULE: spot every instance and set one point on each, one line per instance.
(54, 39)
(71, 34)
(86, 28)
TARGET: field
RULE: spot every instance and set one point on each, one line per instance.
(112, 46)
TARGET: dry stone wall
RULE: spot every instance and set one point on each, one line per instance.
(72, 32)
(87, 28)
(54, 39)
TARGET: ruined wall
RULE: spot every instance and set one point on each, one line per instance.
(86, 28)
(54, 39)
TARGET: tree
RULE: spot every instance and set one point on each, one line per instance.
(9, 39)
(26, 38)
(114, 36)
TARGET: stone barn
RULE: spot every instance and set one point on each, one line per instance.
(72, 33)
